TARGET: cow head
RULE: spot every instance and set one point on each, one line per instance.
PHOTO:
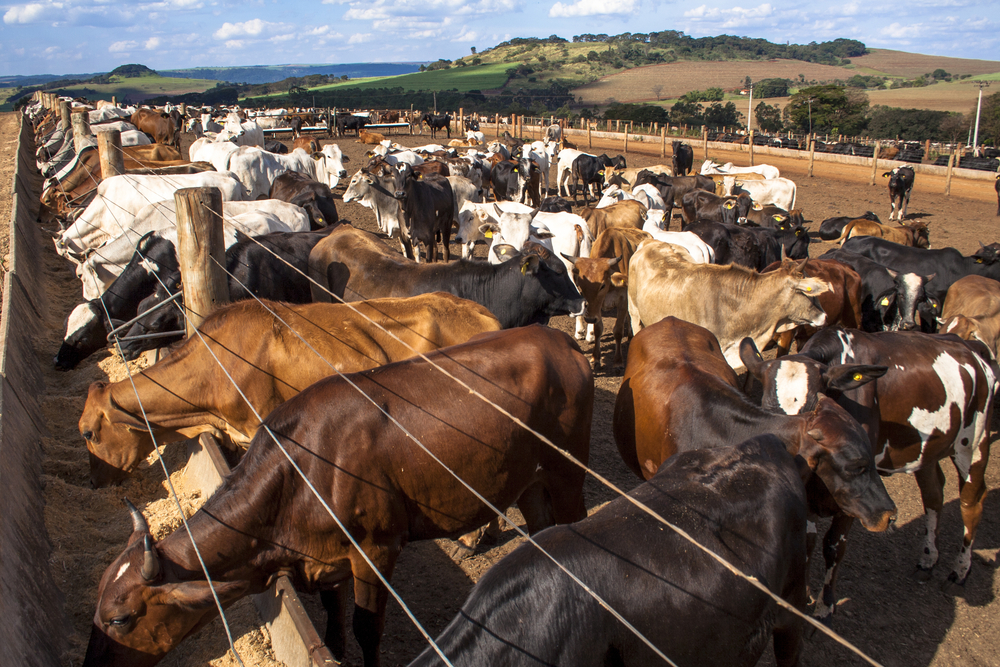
(908, 296)
(797, 297)
(143, 609)
(510, 228)
(86, 333)
(595, 277)
(117, 439)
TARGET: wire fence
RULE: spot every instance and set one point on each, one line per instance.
(500, 512)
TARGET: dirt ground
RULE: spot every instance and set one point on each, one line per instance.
(889, 616)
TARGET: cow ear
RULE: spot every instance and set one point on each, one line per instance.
(197, 595)
(751, 358)
(542, 234)
(117, 415)
(505, 251)
(619, 279)
(570, 258)
(530, 265)
(851, 376)
(885, 299)
(344, 158)
(489, 228)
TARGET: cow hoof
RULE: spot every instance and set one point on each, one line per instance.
(953, 586)
(459, 552)
(923, 574)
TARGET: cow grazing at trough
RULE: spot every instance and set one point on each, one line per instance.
(972, 311)
(683, 158)
(660, 286)
(900, 186)
(268, 363)
(356, 265)
(745, 503)
(264, 519)
(934, 401)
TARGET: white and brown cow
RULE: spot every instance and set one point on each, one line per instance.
(731, 301)
(972, 311)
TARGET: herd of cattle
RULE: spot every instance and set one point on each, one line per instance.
(418, 395)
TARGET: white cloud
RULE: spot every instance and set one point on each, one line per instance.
(467, 35)
(119, 47)
(361, 38)
(153, 43)
(250, 28)
(31, 13)
(899, 31)
(594, 8)
(735, 17)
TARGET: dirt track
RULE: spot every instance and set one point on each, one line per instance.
(893, 619)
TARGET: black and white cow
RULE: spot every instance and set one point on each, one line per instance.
(900, 187)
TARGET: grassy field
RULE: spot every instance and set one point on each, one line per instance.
(463, 79)
(956, 96)
(910, 65)
(140, 88)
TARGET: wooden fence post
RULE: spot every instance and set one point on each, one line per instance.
(590, 139)
(878, 145)
(751, 147)
(199, 240)
(114, 100)
(927, 151)
(625, 150)
(704, 140)
(663, 142)
(65, 111)
(812, 153)
(947, 178)
(81, 131)
(109, 150)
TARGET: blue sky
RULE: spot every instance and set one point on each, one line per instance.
(74, 36)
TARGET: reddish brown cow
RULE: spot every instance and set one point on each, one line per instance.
(385, 489)
(628, 213)
(913, 234)
(160, 129)
(842, 304)
(308, 144)
(602, 278)
(972, 311)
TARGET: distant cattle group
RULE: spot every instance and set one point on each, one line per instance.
(380, 391)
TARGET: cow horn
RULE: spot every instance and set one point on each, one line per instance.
(150, 563)
(816, 434)
(139, 524)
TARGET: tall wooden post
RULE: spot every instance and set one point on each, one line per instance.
(663, 141)
(625, 147)
(947, 178)
(751, 147)
(461, 119)
(81, 132)
(812, 153)
(114, 100)
(109, 149)
(199, 240)
(65, 111)
(590, 139)
(878, 145)
(927, 151)
(704, 140)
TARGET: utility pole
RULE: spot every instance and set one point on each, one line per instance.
(979, 105)
(750, 110)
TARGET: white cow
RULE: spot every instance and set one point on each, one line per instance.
(564, 169)
(656, 207)
(612, 195)
(364, 189)
(767, 171)
(777, 191)
(119, 198)
(215, 152)
(253, 218)
(536, 152)
(247, 133)
(701, 252)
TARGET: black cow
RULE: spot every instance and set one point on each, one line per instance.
(296, 124)
(996, 186)
(831, 228)
(683, 158)
(703, 205)
(272, 266)
(526, 289)
(315, 197)
(503, 179)
(437, 122)
(273, 146)
(681, 185)
(428, 211)
(471, 124)
(87, 326)
(347, 121)
(933, 400)
(588, 170)
(738, 244)
(745, 503)
(555, 205)
(889, 299)
(942, 266)
(900, 186)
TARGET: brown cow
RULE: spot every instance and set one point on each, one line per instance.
(972, 311)
(384, 489)
(624, 178)
(913, 234)
(628, 213)
(679, 394)
(842, 304)
(158, 128)
(308, 144)
(602, 279)
(269, 364)
(366, 137)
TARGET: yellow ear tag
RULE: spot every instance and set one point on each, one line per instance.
(933, 305)
(857, 377)
(809, 289)
(979, 260)
(885, 301)
(488, 235)
(524, 269)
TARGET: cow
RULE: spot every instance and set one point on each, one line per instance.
(389, 489)
(674, 188)
(745, 503)
(587, 170)
(436, 122)
(900, 187)
(625, 178)
(354, 265)
(428, 211)
(215, 152)
(941, 266)
(831, 228)
(700, 252)
(254, 342)
(934, 400)
(972, 311)
(683, 158)
(777, 191)
(378, 189)
(914, 234)
(767, 171)
(562, 233)
(308, 144)
(889, 299)
(241, 132)
(366, 137)
(347, 122)
(737, 244)
(156, 127)
(312, 196)
(698, 205)
(602, 278)
(553, 133)
(629, 213)
(660, 286)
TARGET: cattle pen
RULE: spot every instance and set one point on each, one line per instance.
(195, 493)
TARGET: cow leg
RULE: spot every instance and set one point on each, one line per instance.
(811, 531)
(370, 598)
(784, 341)
(905, 202)
(971, 494)
(598, 332)
(581, 327)
(930, 479)
(619, 333)
(335, 604)
(834, 548)
(535, 504)
(787, 632)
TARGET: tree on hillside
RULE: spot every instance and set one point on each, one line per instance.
(833, 108)
(717, 115)
(686, 113)
(989, 121)
(768, 117)
(907, 124)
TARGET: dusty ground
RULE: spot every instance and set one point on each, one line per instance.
(885, 613)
